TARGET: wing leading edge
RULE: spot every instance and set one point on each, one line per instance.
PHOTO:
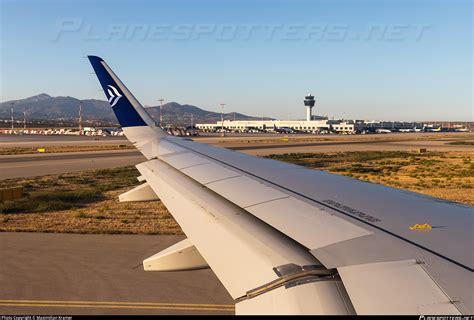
(279, 249)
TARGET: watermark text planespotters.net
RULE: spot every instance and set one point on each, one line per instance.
(380, 32)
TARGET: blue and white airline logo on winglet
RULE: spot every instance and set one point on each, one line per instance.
(114, 95)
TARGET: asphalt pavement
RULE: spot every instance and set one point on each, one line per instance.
(45, 273)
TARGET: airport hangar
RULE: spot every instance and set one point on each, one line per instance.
(312, 123)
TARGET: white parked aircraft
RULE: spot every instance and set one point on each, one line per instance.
(284, 239)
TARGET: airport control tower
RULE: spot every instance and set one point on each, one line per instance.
(309, 103)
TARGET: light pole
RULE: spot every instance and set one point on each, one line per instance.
(161, 111)
(24, 120)
(222, 119)
(80, 117)
(12, 112)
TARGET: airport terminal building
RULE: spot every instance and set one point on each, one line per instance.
(312, 124)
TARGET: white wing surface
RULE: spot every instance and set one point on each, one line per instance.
(284, 239)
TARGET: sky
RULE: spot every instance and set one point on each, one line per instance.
(403, 60)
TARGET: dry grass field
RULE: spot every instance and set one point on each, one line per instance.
(87, 202)
(446, 175)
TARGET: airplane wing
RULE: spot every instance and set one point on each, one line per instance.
(284, 239)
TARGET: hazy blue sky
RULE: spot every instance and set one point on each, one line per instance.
(379, 59)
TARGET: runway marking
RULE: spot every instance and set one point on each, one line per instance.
(112, 307)
(117, 305)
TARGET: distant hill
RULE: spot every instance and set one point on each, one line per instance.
(174, 112)
(45, 107)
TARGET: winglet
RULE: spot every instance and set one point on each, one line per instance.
(127, 109)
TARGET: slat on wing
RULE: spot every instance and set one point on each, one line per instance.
(244, 191)
(209, 172)
(166, 147)
(184, 160)
(313, 227)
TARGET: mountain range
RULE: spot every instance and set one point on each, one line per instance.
(46, 107)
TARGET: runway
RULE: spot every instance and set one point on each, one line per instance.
(30, 165)
(100, 274)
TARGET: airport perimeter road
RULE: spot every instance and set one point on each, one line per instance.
(100, 274)
(30, 165)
